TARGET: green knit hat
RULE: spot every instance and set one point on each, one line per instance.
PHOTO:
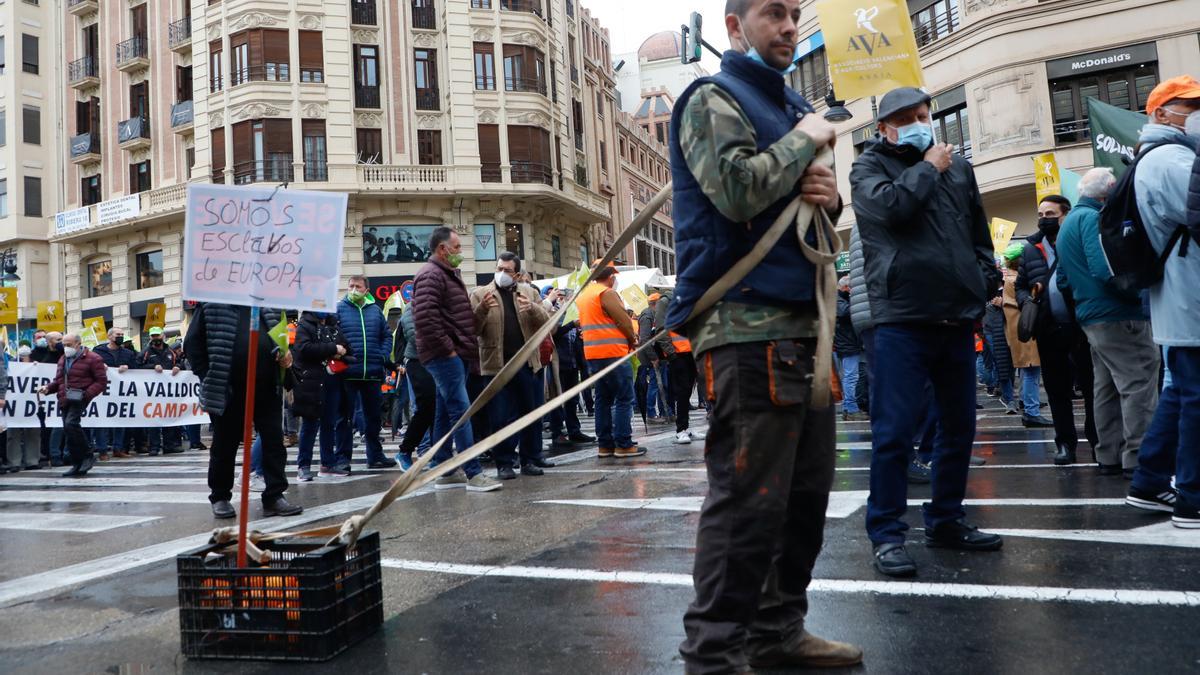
(1013, 251)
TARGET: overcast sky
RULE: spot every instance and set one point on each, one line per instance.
(629, 22)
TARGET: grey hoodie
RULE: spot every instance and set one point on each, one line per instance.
(1161, 186)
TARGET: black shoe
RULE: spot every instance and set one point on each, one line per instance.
(1164, 501)
(172, 451)
(384, 463)
(979, 406)
(223, 509)
(894, 561)
(1064, 456)
(86, 465)
(73, 471)
(282, 507)
(154, 453)
(1185, 516)
(582, 439)
(195, 447)
(541, 464)
(1039, 422)
(959, 535)
(976, 460)
(57, 462)
(561, 441)
(531, 470)
(1109, 470)
(506, 473)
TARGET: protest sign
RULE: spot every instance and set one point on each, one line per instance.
(871, 50)
(51, 316)
(8, 306)
(1045, 176)
(156, 315)
(1115, 133)
(135, 398)
(1002, 233)
(88, 337)
(262, 246)
(96, 323)
(635, 299)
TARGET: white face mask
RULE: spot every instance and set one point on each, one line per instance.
(1192, 126)
(70, 352)
(504, 280)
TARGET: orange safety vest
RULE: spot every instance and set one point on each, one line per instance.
(681, 344)
(292, 333)
(601, 337)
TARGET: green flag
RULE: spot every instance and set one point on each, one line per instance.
(279, 335)
(1115, 133)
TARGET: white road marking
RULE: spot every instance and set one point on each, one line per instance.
(1032, 441)
(89, 481)
(1120, 596)
(1159, 534)
(62, 578)
(68, 522)
(841, 504)
(617, 468)
(81, 497)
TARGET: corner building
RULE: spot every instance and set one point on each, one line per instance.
(465, 113)
(1010, 80)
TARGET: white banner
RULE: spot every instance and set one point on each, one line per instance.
(121, 208)
(135, 398)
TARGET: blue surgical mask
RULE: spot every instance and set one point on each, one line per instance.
(917, 134)
(753, 55)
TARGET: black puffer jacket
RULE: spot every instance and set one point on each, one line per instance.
(993, 329)
(151, 357)
(926, 243)
(1033, 268)
(210, 345)
(115, 358)
(317, 339)
(846, 341)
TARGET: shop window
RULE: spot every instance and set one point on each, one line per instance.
(397, 243)
(99, 278)
(1127, 88)
(149, 266)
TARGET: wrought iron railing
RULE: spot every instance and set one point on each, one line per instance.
(137, 47)
(366, 96)
(81, 69)
(275, 170)
(179, 32)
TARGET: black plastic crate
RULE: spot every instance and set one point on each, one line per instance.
(310, 603)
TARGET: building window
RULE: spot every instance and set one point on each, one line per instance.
(2, 59)
(481, 4)
(524, 69)
(489, 153)
(485, 66)
(1127, 88)
(183, 83)
(260, 55)
(31, 124)
(577, 123)
(660, 131)
(812, 75)
(429, 147)
(514, 239)
(529, 154)
(950, 126)
(370, 146)
(139, 177)
(149, 266)
(603, 156)
(531, 6)
(935, 21)
(3, 197)
(366, 76)
(217, 154)
(556, 251)
(312, 56)
(99, 276)
(600, 104)
(397, 243)
(316, 158)
(29, 54)
(189, 160)
(89, 190)
(423, 15)
(426, 79)
(262, 151)
(215, 66)
(363, 13)
(33, 196)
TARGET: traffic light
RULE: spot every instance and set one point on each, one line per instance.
(693, 42)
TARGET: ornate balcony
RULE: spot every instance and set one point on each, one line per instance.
(84, 73)
(85, 148)
(83, 7)
(134, 133)
(133, 54)
(366, 96)
(179, 35)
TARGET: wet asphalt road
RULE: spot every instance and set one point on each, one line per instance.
(586, 570)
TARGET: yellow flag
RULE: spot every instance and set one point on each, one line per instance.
(871, 50)
(96, 323)
(88, 337)
(1046, 176)
(1002, 233)
(51, 316)
(636, 299)
(156, 315)
(8, 306)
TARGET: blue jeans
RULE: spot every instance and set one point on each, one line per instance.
(109, 439)
(984, 369)
(1006, 389)
(943, 355)
(450, 377)
(255, 455)
(614, 405)
(656, 394)
(1172, 443)
(309, 429)
(1031, 382)
(519, 397)
(193, 435)
(369, 399)
(849, 367)
(1167, 379)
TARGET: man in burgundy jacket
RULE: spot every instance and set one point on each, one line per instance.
(81, 377)
(446, 346)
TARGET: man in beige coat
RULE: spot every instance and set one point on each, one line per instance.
(1024, 354)
(507, 313)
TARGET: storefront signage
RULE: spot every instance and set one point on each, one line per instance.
(116, 210)
(1105, 60)
(71, 221)
(263, 246)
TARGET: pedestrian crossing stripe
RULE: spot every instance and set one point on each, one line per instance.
(69, 522)
(89, 497)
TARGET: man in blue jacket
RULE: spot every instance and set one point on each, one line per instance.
(365, 328)
(1124, 358)
(1167, 183)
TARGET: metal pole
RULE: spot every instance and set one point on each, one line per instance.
(248, 435)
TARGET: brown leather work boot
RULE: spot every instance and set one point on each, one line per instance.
(605, 452)
(806, 651)
(625, 453)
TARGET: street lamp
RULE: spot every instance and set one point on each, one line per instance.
(8, 262)
(837, 111)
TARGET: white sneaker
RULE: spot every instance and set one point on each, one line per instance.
(683, 438)
(698, 435)
(257, 483)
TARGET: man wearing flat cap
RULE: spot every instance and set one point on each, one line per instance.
(929, 269)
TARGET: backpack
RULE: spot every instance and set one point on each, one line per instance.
(1131, 257)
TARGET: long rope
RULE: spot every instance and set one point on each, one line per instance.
(798, 214)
